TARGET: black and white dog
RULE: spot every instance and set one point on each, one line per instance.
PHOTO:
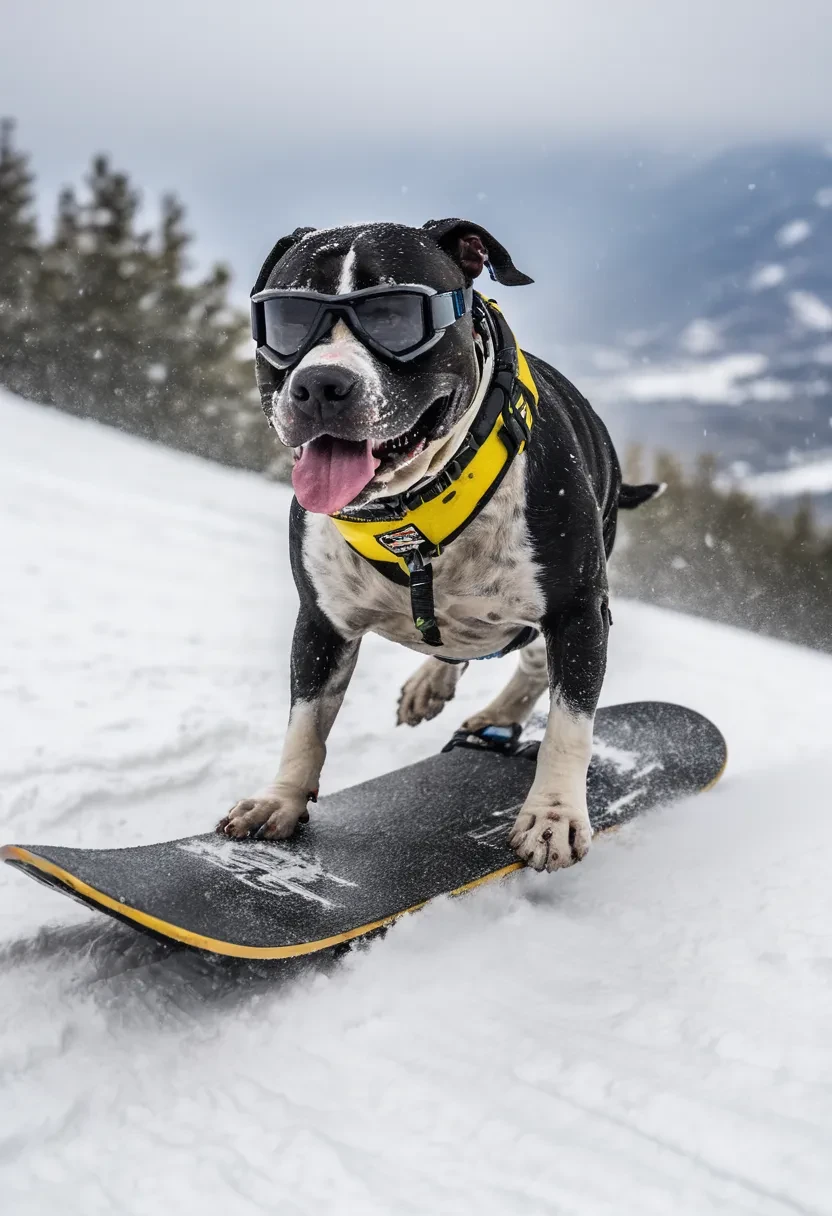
(368, 425)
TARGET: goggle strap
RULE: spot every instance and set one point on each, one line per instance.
(449, 306)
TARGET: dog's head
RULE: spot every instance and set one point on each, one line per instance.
(363, 426)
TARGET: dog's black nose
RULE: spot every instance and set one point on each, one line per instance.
(323, 390)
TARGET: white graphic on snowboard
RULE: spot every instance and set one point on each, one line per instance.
(267, 867)
(492, 833)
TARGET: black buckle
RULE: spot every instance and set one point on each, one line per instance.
(440, 483)
(421, 598)
(443, 480)
(515, 429)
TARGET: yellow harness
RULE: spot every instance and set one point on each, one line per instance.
(428, 517)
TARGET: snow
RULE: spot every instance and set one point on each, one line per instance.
(700, 337)
(823, 198)
(647, 1033)
(767, 276)
(607, 359)
(724, 381)
(809, 477)
(769, 388)
(810, 311)
(793, 233)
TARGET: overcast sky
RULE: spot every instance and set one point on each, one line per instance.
(287, 69)
(256, 107)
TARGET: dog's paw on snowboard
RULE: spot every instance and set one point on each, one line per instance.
(273, 815)
(550, 836)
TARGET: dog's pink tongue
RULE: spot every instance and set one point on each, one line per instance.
(331, 472)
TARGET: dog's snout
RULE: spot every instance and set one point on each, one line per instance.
(322, 390)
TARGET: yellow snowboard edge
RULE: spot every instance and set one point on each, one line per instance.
(14, 853)
(24, 857)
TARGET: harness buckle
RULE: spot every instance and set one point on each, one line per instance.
(515, 429)
(421, 597)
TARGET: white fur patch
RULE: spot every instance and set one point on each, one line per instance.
(552, 830)
(485, 586)
(564, 756)
(304, 750)
(344, 350)
(346, 282)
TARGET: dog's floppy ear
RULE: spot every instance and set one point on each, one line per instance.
(472, 248)
(283, 246)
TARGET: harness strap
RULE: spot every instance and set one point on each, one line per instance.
(421, 598)
(499, 432)
(526, 635)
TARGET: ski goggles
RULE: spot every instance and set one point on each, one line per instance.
(398, 322)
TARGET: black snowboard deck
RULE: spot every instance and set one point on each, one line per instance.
(377, 850)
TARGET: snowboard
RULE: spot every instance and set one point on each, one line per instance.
(380, 849)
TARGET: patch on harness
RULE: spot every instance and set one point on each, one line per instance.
(403, 540)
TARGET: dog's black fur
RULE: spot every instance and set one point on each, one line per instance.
(573, 486)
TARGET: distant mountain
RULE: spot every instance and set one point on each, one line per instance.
(697, 241)
(714, 329)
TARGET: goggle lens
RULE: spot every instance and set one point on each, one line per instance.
(394, 322)
(288, 322)
(399, 322)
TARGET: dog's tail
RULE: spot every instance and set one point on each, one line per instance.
(630, 497)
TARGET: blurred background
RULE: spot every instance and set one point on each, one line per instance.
(662, 169)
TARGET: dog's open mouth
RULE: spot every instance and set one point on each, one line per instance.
(394, 453)
(330, 473)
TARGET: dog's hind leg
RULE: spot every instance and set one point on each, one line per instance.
(517, 700)
(428, 691)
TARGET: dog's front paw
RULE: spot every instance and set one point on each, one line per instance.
(550, 834)
(427, 692)
(273, 815)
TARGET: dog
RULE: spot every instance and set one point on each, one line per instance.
(371, 426)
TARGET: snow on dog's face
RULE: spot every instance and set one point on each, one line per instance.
(362, 426)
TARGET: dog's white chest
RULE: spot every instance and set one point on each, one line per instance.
(485, 583)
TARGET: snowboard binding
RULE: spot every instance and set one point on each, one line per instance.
(504, 740)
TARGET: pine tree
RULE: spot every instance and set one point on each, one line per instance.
(95, 272)
(106, 321)
(804, 535)
(212, 403)
(19, 256)
(60, 322)
(133, 342)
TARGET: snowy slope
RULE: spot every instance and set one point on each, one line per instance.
(648, 1033)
